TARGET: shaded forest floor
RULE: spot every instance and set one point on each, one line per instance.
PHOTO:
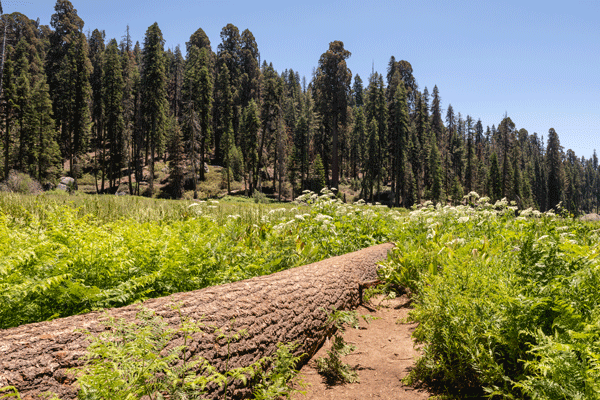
(385, 354)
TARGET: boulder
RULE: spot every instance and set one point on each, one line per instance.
(67, 180)
(591, 217)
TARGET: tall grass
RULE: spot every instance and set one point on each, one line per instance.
(63, 255)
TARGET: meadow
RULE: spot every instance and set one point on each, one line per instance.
(65, 255)
(506, 299)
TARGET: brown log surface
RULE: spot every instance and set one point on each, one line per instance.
(280, 308)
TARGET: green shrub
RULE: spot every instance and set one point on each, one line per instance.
(332, 366)
(19, 182)
(506, 306)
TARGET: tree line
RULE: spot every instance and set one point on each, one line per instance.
(82, 103)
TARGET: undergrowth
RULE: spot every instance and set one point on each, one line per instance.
(332, 366)
(59, 259)
(137, 360)
(507, 307)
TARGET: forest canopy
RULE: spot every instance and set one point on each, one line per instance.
(76, 103)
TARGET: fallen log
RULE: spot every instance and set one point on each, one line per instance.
(279, 308)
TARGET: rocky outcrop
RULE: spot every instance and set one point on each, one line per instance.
(280, 308)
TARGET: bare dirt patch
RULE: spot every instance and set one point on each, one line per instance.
(385, 354)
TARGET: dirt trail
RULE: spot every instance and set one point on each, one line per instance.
(384, 355)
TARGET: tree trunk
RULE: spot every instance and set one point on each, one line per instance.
(288, 306)
(335, 169)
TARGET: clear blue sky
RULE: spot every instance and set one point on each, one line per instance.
(539, 61)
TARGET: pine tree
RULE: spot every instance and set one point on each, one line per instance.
(177, 162)
(424, 141)
(69, 71)
(198, 92)
(175, 83)
(506, 130)
(282, 156)
(376, 109)
(43, 127)
(437, 125)
(271, 113)
(357, 148)
(10, 100)
(292, 98)
(96, 54)
(80, 122)
(154, 93)
(301, 143)
(357, 92)
(229, 53)
(224, 124)
(112, 97)
(131, 79)
(409, 189)
(399, 138)
(318, 175)
(494, 179)
(373, 161)
(26, 151)
(249, 68)
(470, 177)
(447, 145)
(249, 142)
(223, 108)
(200, 40)
(332, 83)
(555, 169)
(437, 189)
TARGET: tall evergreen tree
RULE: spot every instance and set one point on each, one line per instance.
(112, 96)
(447, 145)
(437, 125)
(272, 97)
(26, 151)
(506, 130)
(373, 161)
(198, 88)
(249, 142)
(96, 54)
(131, 78)
(250, 70)
(10, 106)
(43, 128)
(555, 169)
(495, 179)
(376, 109)
(154, 93)
(177, 162)
(332, 84)
(80, 121)
(175, 83)
(357, 92)
(225, 121)
(436, 190)
(69, 70)
(399, 139)
(470, 172)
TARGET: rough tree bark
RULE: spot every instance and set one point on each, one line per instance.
(283, 307)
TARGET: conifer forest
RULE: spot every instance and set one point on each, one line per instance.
(77, 103)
